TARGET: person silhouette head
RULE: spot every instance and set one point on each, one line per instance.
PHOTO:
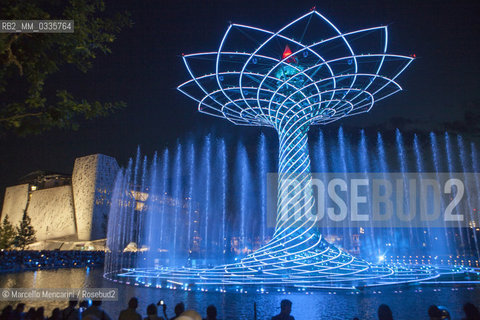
(434, 313)
(471, 312)
(211, 312)
(179, 309)
(151, 310)
(133, 303)
(384, 312)
(285, 307)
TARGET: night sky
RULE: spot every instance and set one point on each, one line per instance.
(145, 67)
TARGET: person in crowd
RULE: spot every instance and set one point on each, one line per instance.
(179, 309)
(70, 312)
(384, 312)
(31, 313)
(40, 313)
(285, 310)
(131, 312)
(7, 313)
(18, 313)
(164, 309)
(56, 314)
(434, 313)
(211, 313)
(152, 313)
(95, 312)
(471, 312)
(444, 312)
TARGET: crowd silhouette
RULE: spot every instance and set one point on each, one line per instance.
(94, 311)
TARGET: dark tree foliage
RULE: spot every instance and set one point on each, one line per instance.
(469, 126)
(27, 61)
(7, 234)
(25, 232)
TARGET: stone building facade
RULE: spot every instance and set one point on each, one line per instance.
(66, 209)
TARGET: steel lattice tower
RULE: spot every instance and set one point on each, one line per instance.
(320, 81)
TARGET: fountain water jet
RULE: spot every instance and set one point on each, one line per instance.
(159, 206)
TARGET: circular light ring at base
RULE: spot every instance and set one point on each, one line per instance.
(350, 278)
(315, 267)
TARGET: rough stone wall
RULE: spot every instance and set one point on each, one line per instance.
(51, 212)
(14, 203)
(79, 211)
(92, 181)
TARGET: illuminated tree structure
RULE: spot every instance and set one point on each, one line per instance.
(305, 74)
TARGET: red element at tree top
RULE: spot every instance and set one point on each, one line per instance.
(286, 53)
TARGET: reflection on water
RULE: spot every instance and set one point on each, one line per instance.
(320, 305)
